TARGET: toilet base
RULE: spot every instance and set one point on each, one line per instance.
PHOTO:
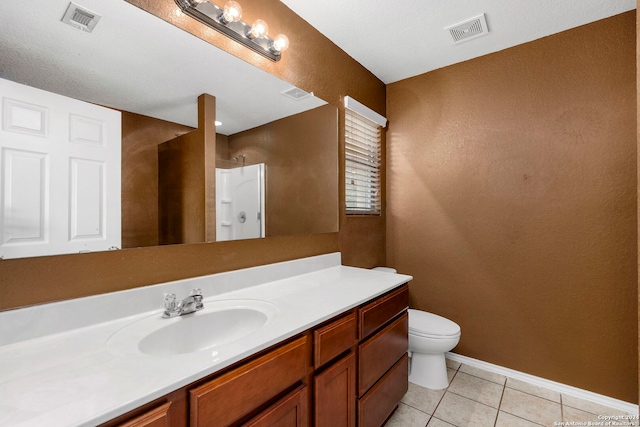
(429, 371)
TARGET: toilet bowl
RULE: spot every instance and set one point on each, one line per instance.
(430, 337)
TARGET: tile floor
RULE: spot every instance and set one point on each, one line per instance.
(479, 398)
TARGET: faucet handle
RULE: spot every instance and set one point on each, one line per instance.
(197, 298)
(170, 302)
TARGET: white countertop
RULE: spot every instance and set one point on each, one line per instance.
(57, 370)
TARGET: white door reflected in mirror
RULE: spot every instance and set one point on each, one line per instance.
(60, 173)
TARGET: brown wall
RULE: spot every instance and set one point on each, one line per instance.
(638, 139)
(312, 63)
(181, 190)
(141, 136)
(512, 201)
(301, 157)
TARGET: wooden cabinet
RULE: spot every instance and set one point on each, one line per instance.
(383, 363)
(351, 370)
(380, 401)
(234, 395)
(334, 339)
(381, 352)
(376, 314)
(168, 411)
(158, 417)
(335, 394)
(290, 411)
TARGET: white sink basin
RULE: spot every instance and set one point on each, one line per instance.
(219, 323)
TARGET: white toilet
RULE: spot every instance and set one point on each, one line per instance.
(430, 337)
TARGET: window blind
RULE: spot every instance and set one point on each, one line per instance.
(362, 168)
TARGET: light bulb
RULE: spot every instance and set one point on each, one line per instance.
(258, 29)
(232, 12)
(280, 43)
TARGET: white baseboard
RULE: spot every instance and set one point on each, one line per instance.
(559, 387)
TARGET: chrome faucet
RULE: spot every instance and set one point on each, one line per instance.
(190, 304)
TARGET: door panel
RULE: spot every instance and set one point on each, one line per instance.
(61, 167)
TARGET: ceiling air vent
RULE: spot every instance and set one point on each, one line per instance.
(469, 29)
(296, 93)
(81, 18)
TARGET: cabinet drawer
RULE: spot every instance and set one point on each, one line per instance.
(158, 417)
(334, 339)
(248, 387)
(374, 315)
(376, 406)
(381, 352)
(290, 411)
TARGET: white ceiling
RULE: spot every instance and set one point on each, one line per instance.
(404, 38)
(136, 62)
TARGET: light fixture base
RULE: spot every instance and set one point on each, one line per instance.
(209, 14)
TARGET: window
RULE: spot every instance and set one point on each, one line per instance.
(362, 155)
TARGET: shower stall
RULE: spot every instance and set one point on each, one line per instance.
(240, 202)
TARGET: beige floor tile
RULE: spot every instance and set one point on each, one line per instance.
(422, 398)
(463, 412)
(533, 389)
(490, 376)
(477, 389)
(406, 416)
(434, 422)
(508, 420)
(587, 406)
(452, 364)
(450, 374)
(576, 415)
(529, 407)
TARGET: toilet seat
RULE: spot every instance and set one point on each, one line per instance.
(429, 325)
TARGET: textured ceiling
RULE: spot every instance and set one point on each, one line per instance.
(401, 39)
(136, 62)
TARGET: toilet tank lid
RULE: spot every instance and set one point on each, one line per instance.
(422, 322)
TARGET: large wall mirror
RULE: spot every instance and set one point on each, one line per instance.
(154, 73)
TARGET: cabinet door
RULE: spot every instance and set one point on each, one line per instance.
(290, 411)
(158, 417)
(335, 394)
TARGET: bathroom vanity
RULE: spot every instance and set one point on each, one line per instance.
(327, 348)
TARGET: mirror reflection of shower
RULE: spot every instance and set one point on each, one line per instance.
(240, 199)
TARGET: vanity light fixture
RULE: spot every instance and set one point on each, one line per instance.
(227, 20)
